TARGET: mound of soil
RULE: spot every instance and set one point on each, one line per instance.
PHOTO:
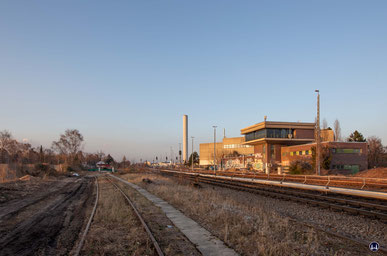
(373, 173)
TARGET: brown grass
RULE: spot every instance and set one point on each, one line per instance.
(115, 229)
(373, 173)
(241, 222)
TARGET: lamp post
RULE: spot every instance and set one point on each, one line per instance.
(192, 156)
(318, 134)
(214, 149)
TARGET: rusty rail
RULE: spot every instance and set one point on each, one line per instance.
(375, 184)
(80, 245)
(156, 245)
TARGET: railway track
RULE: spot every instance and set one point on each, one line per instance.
(148, 231)
(376, 210)
(354, 206)
(366, 207)
(372, 184)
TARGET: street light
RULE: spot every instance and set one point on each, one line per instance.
(214, 149)
(318, 134)
(192, 156)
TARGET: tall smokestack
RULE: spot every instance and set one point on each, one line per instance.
(185, 138)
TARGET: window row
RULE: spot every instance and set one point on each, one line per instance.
(347, 150)
(298, 153)
(270, 133)
(236, 146)
(354, 167)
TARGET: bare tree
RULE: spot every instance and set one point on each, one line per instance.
(324, 124)
(69, 143)
(8, 146)
(6, 141)
(375, 151)
(337, 130)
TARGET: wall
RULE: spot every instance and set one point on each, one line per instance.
(207, 150)
(303, 134)
(337, 158)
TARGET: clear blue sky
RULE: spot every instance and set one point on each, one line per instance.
(124, 72)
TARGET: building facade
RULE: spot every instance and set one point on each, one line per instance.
(351, 156)
(269, 144)
(225, 149)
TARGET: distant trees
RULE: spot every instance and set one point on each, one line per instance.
(376, 152)
(69, 144)
(109, 159)
(356, 137)
(337, 130)
(125, 163)
(68, 149)
(6, 141)
(195, 157)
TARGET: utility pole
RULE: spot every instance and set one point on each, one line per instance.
(214, 149)
(192, 156)
(318, 157)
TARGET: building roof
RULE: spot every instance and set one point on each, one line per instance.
(275, 124)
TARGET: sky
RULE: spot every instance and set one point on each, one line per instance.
(125, 72)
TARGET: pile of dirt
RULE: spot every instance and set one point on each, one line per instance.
(373, 173)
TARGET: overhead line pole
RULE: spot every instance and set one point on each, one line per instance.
(318, 142)
(192, 156)
(214, 149)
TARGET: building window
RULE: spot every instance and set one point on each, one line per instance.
(306, 152)
(300, 152)
(270, 133)
(347, 150)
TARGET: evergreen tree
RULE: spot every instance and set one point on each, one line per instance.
(356, 137)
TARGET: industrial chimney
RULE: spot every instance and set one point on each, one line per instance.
(185, 138)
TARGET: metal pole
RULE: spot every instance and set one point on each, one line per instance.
(318, 153)
(192, 156)
(214, 149)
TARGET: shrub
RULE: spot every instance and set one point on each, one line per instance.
(300, 167)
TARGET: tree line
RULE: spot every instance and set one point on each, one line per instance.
(68, 149)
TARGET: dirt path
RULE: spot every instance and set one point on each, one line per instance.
(47, 222)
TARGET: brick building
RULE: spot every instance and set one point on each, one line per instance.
(344, 155)
(268, 144)
(225, 149)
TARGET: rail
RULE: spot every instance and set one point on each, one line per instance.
(348, 205)
(352, 206)
(373, 184)
(156, 245)
(80, 245)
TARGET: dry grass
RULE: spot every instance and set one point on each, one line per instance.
(169, 237)
(115, 229)
(373, 173)
(240, 221)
